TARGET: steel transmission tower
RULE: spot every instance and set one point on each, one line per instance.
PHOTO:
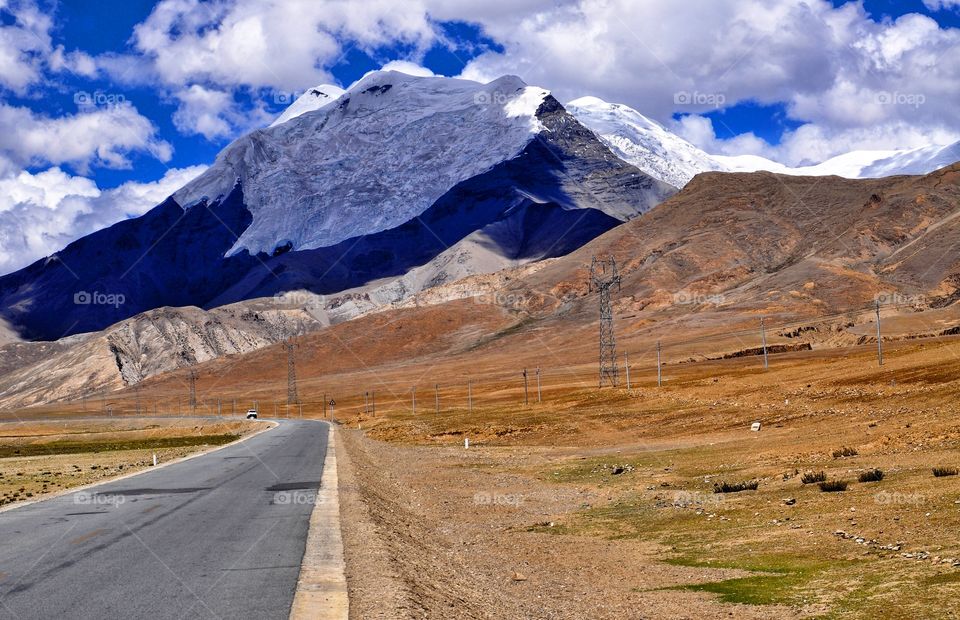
(193, 390)
(289, 346)
(603, 277)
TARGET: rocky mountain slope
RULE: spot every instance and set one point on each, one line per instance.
(380, 180)
(149, 344)
(726, 250)
(642, 142)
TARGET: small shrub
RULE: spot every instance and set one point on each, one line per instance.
(728, 487)
(845, 451)
(832, 486)
(813, 476)
(871, 475)
(940, 472)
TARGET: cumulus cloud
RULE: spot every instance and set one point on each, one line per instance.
(43, 212)
(939, 5)
(101, 135)
(24, 43)
(270, 43)
(215, 113)
(856, 82)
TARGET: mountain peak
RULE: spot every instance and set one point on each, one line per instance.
(642, 142)
(312, 99)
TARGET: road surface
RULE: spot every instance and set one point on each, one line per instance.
(218, 536)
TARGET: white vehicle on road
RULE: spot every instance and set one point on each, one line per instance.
(251, 414)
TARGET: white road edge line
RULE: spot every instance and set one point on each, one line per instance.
(322, 586)
(270, 426)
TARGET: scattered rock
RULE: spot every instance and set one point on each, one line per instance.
(519, 577)
(790, 501)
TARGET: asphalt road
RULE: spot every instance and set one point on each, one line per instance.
(218, 536)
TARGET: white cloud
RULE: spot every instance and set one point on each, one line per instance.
(23, 45)
(939, 5)
(104, 136)
(858, 83)
(43, 212)
(269, 43)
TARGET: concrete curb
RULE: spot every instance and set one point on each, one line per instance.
(322, 587)
(270, 426)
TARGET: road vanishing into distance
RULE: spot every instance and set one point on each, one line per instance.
(218, 536)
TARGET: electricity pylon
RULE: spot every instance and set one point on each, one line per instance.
(603, 277)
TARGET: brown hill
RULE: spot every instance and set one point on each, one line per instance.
(809, 253)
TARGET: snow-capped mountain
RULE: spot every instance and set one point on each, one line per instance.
(856, 164)
(642, 142)
(347, 189)
(668, 157)
(313, 99)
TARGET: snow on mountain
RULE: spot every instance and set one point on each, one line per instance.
(377, 156)
(856, 164)
(642, 142)
(665, 156)
(917, 161)
(312, 100)
(378, 183)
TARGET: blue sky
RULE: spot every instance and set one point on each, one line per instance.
(106, 27)
(106, 106)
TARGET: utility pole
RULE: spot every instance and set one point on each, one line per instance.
(879, 337)
(413, 391)
(659, 372)
(626, 366)
(136, 392)
(219, 408)
(289, 346)
(366, 403)
(373, 403)
(763, 337)
(436, 394)
(539, 400)
(603, 277)
(324, 405)
(526, 400)
(470, 396)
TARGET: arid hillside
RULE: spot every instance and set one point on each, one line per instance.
(811, 255)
